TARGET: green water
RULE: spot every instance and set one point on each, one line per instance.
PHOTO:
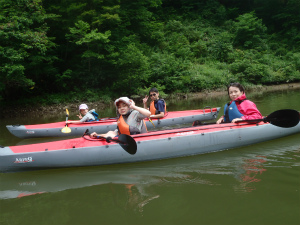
(257, 184)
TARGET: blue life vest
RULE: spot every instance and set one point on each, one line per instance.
(95, 115)
(231, 112)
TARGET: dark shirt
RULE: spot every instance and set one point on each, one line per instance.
(159, 106)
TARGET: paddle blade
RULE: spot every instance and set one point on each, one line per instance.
(128, 143)
(66, 130)
(67, 112)
(283, 118)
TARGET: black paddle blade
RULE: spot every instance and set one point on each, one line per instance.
(127, 143)
(283, 118)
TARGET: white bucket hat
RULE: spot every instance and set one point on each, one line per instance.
(83, 106)
(123, 99)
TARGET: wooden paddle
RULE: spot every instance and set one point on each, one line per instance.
(66, 129)
(124, 140)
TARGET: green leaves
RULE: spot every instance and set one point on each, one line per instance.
(82, 34)
(249, 31)
(123, 47)
(23, 38)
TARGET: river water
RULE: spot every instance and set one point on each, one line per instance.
(257, 184)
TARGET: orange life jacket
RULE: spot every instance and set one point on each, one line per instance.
(153, 109)
(124, 128)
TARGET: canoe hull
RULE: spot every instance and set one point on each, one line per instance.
(54, 129)
(81, 152)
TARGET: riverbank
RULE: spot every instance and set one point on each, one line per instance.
(58, 108)
(260, 88)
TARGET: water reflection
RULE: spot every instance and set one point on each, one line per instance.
(252, 168)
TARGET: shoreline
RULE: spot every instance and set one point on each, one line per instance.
(57, 109)
(218, 93)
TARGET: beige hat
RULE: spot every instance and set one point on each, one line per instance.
(83, 106)
(123, 99)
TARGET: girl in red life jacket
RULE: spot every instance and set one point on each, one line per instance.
(239, 108)
(158, 106)
(130, 119)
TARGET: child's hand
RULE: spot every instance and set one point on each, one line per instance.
(80, 117)
(93, 135)
(145, 99)
(132, 105)
(220, 120)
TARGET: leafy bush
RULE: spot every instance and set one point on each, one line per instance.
(249, 31)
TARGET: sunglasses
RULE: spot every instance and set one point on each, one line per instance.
(152, 95)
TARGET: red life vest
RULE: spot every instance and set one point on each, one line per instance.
(153, 109)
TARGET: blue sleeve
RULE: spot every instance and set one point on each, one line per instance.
(160, 106)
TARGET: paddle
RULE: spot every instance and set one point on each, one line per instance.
(66, 129)
(281, 118)
(151, 122)
(124, 140)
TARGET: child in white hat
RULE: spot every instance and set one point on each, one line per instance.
(88, 116)
(131, 119)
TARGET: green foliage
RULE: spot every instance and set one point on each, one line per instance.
(133, 66)
(210, 76)
(24, 43)
(249, 31)
(143, 91)
(101, 49)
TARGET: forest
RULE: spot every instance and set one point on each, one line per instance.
(95, 50)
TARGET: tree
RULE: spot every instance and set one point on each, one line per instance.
(23, 42)
(93, 40)
(249, 31)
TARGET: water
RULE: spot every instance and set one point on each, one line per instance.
(257, 184)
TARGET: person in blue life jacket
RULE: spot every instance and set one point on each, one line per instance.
(85, 115)
(158, 107)
(130, 121)
(239, 108)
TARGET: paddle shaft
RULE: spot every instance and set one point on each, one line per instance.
(125, 141)
(66, 129)
(108, 140)
(275, 118)
(151, 122)
(179, 130)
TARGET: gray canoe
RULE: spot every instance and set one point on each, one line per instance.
(144, 175)
(151, 146)
(104, 125)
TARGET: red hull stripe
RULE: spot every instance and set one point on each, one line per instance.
(170, 115)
